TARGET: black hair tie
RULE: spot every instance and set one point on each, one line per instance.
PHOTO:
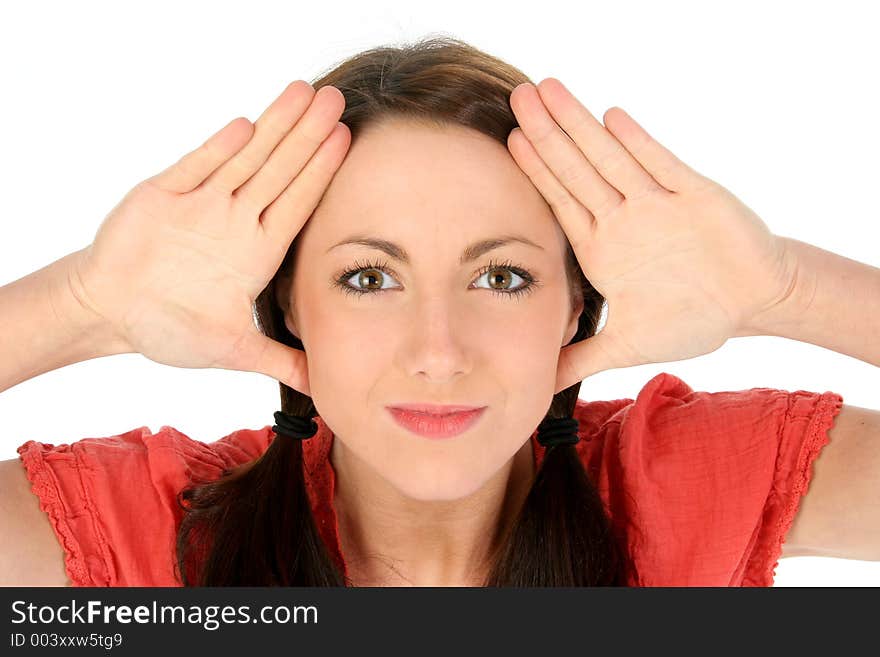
(558, 431)
(294, 426)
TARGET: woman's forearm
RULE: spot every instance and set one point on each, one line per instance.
(43, 327)
(836, 305)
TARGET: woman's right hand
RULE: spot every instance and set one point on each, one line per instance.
(176, 266)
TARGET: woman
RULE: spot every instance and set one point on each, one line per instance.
(452, 259)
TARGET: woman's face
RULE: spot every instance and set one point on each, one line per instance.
(431, 329)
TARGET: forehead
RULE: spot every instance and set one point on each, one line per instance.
(404, 175)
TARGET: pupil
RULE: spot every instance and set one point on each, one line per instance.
(367, 276)
(501, 276)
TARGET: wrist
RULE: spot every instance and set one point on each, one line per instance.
(833, 302)
(43, 327)
(789, 311)
(96, 336)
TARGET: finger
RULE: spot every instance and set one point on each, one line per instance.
(582, 360)
(271, 127)
(292, 154)
(563, 157)
(259, 353)
(657, 160)
(615, 164)
(575, 219)
(284, 218)
(191, 170)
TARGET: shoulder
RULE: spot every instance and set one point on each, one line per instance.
(111, 502)
(704, 484)
(31, 554)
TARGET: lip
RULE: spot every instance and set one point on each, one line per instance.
(435, 422)
(436, 409)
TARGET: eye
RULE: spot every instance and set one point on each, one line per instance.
(364, 278)
(368, 278)
(504, 275)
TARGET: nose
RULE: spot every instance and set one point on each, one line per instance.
(439, 344)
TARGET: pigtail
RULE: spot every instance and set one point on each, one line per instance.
(254, 527)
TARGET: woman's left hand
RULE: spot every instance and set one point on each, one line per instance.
(682, 262)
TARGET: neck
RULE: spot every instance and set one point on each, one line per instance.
(389, 539)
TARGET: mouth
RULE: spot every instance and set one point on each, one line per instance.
(435, 422)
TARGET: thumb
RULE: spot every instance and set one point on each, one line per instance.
(583, 359)
(259, 353)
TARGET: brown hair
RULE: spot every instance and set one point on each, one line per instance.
(254, 526)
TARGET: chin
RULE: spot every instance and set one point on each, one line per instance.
(436, 488)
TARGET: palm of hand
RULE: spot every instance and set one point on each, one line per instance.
(681, 273)
(176, 285)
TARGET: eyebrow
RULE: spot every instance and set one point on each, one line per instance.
(471, 253)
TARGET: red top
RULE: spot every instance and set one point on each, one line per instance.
(705, 485)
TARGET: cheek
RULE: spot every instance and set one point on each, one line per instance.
(347, 350)
(531, 339)
(344, 366)
(529, 372)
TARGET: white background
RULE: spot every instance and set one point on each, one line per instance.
(776, 101)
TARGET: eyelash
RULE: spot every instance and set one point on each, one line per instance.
(529, 285)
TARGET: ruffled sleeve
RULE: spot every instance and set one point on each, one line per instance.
(112, 501)
(705, 486)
